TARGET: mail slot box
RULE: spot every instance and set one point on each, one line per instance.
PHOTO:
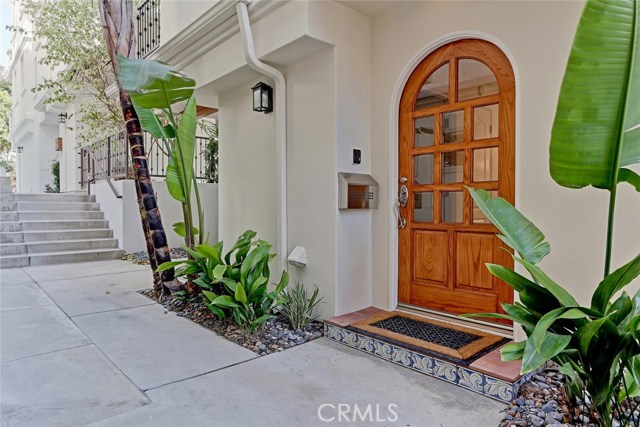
(357, 191)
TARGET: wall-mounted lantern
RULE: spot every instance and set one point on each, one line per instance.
(62, 118)
(262, 98)
(58, 142)
(19, 149)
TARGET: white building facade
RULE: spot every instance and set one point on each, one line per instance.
(346, 65)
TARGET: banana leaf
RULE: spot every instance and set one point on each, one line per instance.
(595, 129)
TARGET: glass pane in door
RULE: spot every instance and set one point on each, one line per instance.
(423, 206)
(485, 164)
(423, 169)
(485, 122)
(475, 79)
(453, 127)
(435, 90)
(423, 132)
(452, 206)
(452, 166)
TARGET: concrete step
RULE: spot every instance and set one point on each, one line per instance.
(57, 246)
(7, 197)
(41, 236)
(54, 197)
(52, 225)
(15, 261)
(58, 216)
(6, 188)
(8, 206)
(13, 249)
(57, 206)
(4, 179)
(46, 258)
(9, 216)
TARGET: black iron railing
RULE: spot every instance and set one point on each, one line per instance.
(148, 26)
(113, 157)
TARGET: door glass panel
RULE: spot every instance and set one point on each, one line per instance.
(435, 90)
(475, 79)
(452, 206)
(485, 164)
(423, 169)
(423, 206)
(423, 132)
(485, 122)
(453, 166)
(478, 216)
(453, 127)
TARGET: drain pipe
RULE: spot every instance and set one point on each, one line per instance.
(280, 99)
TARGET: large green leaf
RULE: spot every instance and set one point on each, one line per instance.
(518, 232)
(185, 145)
(598, 104)
(563, 296)
(153, 84)
(614, 282)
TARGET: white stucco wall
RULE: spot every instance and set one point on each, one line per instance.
(124, 217)
(537, 36)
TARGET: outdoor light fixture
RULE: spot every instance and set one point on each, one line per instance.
(262, 98)
(19, 149)
(62, 118)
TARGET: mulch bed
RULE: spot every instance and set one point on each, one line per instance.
(275, 335)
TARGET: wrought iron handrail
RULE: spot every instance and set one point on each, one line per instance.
(113, 159)
(107, 178)
(148, 27)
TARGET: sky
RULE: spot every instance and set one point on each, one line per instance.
(5, 35)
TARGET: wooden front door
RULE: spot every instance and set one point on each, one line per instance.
(456, 130)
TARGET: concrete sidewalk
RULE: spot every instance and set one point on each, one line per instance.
(78, 346)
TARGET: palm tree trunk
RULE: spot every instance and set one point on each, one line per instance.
(117, 22)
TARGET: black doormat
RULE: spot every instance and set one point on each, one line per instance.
(428, 332)
(447, 341)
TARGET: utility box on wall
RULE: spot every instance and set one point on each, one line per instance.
(357, 191)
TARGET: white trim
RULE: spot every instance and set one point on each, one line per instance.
(393, 138)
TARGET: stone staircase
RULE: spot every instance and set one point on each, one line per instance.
(39, 229)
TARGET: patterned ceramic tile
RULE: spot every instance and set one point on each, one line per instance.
(445, 371)
(471, 379)
(499, 389)
(422, 363)
(434, 367)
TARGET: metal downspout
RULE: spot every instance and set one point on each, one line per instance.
(280, 100)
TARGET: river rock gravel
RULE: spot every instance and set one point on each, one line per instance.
(542, 402)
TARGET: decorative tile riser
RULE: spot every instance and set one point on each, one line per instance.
(461, 376)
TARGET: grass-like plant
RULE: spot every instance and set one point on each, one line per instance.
(298, 307)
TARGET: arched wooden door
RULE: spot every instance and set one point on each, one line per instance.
(456, 129)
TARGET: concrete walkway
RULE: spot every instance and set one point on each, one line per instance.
(78, 347)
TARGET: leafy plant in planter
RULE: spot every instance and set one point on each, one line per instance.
(595, 134)
(236, 285)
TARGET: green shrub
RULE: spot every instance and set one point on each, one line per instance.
(298, 308)
(237, 285)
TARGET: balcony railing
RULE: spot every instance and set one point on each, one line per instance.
(114, 159)
(148, 26)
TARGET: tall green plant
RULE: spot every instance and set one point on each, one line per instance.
(154, 88)
(595, 135)
(595, 132)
